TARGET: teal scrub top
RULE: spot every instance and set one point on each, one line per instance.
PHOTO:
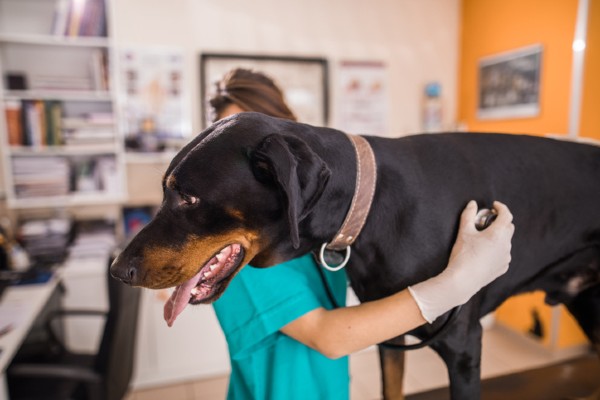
(265, 363)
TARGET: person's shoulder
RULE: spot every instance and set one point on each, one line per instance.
(306, 260)
(281, 292)
(298, 270)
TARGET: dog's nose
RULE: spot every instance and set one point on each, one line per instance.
(126, 275)
(124, 271)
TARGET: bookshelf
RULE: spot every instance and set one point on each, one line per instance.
(46, 40)
(61, 152)
(58, 129)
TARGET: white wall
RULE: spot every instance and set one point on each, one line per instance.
(417, 39)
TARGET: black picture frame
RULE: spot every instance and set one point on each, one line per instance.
(509, 84)
(303, 80)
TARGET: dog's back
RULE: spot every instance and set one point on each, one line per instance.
(552, 188)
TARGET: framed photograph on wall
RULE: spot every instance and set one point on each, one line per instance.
(363, 97)
(303, 80)
(509, 84)
(153, 98)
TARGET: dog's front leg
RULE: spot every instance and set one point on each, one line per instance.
(460, 348)
(392, 371)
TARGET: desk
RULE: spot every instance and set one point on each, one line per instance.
(28, 301)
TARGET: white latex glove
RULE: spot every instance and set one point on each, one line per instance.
(477, 258)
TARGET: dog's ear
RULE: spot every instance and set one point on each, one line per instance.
(296, 169)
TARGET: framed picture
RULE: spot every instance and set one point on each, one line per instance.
(153, 97)
(363, 97)
(509, 84)
(304, 81)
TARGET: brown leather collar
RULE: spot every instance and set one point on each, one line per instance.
(366, 178)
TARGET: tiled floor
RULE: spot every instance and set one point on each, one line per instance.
(503, 352)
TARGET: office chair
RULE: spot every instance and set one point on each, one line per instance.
(61, 374)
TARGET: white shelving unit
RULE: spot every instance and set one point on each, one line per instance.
(74, 71)
(79, 96)
(164, 355)
(77, 73)
(53, 40)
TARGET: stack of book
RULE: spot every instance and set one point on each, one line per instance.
(34, 122)
(88, 129)
(96, 79)
(79, 18)
(38, 123)
(41, 176)
(46, 240)
(93, 239)
(99, 70)
(43, 82)
(96, 173)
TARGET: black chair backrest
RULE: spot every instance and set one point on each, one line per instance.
(117, 349)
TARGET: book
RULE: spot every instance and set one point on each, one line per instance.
(93, 239)
(95, 174)
(99, 70)
(41, 133)
(75, 15)
(41, 123)
(56, 82)
(41, 176)
(79, 18)
(34, 123)
(46, 240)
(29, 122)
(93, 21)
(61, 17)
(89, 129)
(14, 122)
(54, 130)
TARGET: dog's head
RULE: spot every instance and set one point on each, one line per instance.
(236, 194)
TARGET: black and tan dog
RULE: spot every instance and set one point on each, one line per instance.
(254, 189)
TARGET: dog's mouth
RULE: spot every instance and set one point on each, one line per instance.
(206, 284)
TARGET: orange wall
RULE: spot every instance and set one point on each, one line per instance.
(495, 26)
(517, 314)
(590, 109)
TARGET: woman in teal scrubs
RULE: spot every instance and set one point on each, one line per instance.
(286, 339)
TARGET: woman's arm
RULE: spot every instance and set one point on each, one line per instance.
(477, 258)
(339, 332)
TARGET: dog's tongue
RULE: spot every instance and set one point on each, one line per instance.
(179, 299)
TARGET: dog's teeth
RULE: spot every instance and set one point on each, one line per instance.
(212, 267)
(194, 291)
(207, 274)
(220, 257)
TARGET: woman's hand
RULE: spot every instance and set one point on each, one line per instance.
(477, 258)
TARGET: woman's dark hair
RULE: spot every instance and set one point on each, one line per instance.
(250, 91)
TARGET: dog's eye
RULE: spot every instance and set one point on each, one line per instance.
(189, 200)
